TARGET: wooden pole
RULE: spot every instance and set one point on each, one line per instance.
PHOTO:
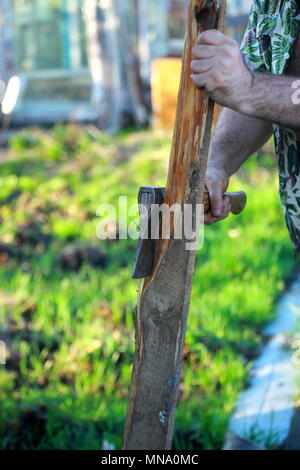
(163, 306)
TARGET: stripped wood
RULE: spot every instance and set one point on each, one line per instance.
(165, 297)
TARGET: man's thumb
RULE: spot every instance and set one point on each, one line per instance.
(216, 199)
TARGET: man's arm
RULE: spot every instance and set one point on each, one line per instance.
(272, 97)
(236, 138)
(218, 66)
(254, 102)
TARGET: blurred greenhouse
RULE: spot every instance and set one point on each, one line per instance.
(92, 60)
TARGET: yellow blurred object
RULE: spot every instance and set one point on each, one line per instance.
(165, 79)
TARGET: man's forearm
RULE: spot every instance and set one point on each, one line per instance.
(218, 66)
(236, 138)
(272, 98)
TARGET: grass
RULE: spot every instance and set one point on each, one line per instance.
(67, 317)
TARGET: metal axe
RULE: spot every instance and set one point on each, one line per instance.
(151, 196)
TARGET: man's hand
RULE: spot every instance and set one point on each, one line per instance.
(217, 181)
(218, 67)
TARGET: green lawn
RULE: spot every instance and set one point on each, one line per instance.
(68, 317)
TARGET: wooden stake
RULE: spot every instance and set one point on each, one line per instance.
(163, 306)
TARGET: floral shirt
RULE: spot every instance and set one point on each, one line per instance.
(267, 46)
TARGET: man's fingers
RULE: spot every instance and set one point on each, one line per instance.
(216, 197)
(201, 79)
(207, 79)
(217, 181)
(210, 218)
(203, 65)
(226, 208)
(203, 52)
(212, 37)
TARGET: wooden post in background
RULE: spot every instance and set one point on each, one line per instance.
(163, 306)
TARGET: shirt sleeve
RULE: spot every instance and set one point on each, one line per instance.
(250, 46)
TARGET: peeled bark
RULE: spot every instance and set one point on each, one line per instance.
(162, 311)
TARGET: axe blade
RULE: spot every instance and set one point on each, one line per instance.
(145, 253)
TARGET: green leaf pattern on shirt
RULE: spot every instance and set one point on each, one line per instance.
(267, 46)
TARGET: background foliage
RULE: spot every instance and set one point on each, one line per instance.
(67, 302)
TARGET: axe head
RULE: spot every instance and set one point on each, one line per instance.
(145, 253)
